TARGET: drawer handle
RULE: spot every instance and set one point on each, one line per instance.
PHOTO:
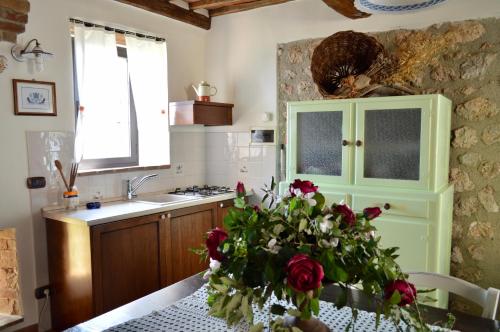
(359, 143)
(345, 142)
(387, 206)
(221, 205)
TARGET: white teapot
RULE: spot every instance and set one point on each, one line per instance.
(204, 91)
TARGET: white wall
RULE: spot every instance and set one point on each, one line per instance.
(241, 48)
(48, 21)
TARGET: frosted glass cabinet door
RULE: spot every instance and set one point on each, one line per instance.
(392, 143)
(320, 134)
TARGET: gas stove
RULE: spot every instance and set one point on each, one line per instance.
(203, 191)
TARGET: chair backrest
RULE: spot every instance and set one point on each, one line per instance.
(488, 299)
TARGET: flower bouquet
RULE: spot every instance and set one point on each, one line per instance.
(294, 247)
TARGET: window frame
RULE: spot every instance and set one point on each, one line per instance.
(109, 163)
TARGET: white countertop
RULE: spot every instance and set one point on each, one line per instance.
(124, 209)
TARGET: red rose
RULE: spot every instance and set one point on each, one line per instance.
(304, 273)
(348, 216)
(240, 189)
(406, 290)
(372, 213)
(215, 238)
(305, 187)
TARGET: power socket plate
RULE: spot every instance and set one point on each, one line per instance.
(40, 292)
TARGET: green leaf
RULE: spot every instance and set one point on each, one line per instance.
(234, 303)
(220, 288)
(228, 281)
(277, 309)
(303, 225)
(315, 306)
(239, 203)
(245, 309)
(257, 327)
(294, 312)
(395, 298)
(339, 274)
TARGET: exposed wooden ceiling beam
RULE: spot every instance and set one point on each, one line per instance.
(244, 6)
(346, 8)
(211, 4)
(167, 9)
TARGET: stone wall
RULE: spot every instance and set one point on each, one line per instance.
(9, 283)
(469, 74)
(13, 18)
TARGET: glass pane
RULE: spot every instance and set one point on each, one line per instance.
(107, 120)
(319, 147)
(392, 144)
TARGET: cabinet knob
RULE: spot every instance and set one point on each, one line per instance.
(387, 206)
(169, 215)
(162, 216)
(221, 205)
(345, 142)
(359, 143)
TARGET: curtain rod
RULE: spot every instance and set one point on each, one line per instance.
(107, 28)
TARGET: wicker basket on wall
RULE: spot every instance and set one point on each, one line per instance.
(349, 55)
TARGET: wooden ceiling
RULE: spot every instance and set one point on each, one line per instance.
(188, 13)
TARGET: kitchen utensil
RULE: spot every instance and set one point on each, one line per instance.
(73, 175)
(204, 91)
(60, 169)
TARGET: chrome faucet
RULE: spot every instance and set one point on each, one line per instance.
(136, 183)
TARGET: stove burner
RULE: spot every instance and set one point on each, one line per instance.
(203, 191)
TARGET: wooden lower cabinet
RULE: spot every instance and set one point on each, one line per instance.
(187, 228)
(128, 260)
(222, 211)
(95, 269)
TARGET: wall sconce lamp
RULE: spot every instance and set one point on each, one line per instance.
(31, 52)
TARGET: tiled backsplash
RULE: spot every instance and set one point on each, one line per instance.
(230, 158)
(196, 158)
(188, 156)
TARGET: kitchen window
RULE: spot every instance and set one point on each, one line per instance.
(121, 99)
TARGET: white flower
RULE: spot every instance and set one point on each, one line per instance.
(309, 199)
(273, 247)
(326, 225)
(370, 235)
(329, 244)
(297, 192)
(214, 266)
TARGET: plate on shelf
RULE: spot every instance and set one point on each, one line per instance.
(395, 6)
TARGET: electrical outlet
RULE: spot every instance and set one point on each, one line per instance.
(179, 169)
(42, 292)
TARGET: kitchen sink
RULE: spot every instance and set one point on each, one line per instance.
(165, 199)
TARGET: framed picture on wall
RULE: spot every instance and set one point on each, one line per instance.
(34, 98)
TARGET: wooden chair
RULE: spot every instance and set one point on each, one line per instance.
(488, 299)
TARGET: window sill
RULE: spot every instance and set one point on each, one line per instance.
(87, 172)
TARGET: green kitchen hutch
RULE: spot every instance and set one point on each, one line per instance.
(390, 152)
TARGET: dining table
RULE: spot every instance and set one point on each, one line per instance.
(169, 295)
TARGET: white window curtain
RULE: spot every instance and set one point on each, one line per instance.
(95, 61)
(147, 61)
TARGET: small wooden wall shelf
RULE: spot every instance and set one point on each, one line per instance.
(193, 112)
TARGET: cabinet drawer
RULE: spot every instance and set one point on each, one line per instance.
(396, 206)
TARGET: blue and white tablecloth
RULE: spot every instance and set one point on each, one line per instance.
(190, 314)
